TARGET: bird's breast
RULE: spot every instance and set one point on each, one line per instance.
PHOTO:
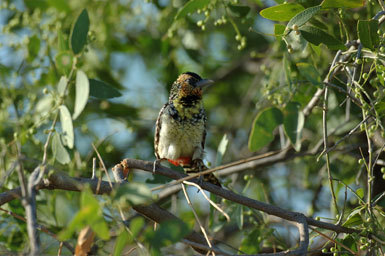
(180, 137)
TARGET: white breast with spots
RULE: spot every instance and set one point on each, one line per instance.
(180, 139)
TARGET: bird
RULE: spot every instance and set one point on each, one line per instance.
(180, 129)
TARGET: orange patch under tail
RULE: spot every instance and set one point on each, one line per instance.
(181, 161)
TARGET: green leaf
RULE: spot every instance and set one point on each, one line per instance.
(59, 151)
(61, 87)
(342, 3)
(61, 5)
(102, 90)
(239, 10)
(168, 232)
(263, 127)
(221, 150)
(354, 218)
(310, 73)
(282, 12)
(33, 47)
(67, 127)
(302, 17)
(279, 29)
(62, 42)
(132, 193)
(190, 7)
(121, 242)
(82, 91)
(249, 245)
(239, 216)
(91, 215)
(79, 32)
(367, 32)
(64, 62)
(293, 123)
(360, 192)
(316, 36)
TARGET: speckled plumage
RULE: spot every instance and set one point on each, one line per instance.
(180, 129)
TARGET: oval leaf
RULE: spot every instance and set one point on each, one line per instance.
(316, 36)
(59, 151)
(293, 123)
(67, 127)
(61, 87)
(282, 12)
(342, 3)
(279, 29)
(302, 17)
(310, 73)
(82, 93)
(263, 127)
(79, 32)
(133, 193)
(221, 150)
(64, 62)
(102, 90)
(367, 32)
(190, 7)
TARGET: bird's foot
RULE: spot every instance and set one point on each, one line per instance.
(156, 164)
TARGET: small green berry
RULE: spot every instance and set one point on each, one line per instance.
(382, 169)
(45, 91)
(382, 49)
(324, 250)
(361, 161)
(199, 23)
(365, 76)
(358, 61)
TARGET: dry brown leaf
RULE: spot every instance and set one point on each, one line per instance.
(85, 240)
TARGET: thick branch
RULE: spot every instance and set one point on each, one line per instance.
(229, 195)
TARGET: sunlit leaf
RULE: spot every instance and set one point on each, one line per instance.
(282, 12)
(367, 32)
(293, 123)
(279, 29)
(342, 3)
(102, 90)
(354, 218)
(249, 245)
(61, 87)
(79, 32)
(59, 151)
(263, 127)
(303, 17)
(190, 7)
(221, 150)
(82, 93)
(67, 126)
(121, 242)
(91, 215)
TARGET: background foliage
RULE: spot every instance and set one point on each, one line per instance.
(99, 71)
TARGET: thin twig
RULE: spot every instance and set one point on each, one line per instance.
(196, 216)
(334, 241)
(209, 200)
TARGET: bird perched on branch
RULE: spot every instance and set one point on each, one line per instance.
(180, 130)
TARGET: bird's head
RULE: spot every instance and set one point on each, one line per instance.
(188, 88)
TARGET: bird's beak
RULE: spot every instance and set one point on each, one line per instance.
(204, 83)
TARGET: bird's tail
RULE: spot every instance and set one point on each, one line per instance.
(210, 177)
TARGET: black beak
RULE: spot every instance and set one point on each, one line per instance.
(204, 83)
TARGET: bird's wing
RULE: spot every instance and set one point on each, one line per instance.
(204, 132)
(158, 126)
